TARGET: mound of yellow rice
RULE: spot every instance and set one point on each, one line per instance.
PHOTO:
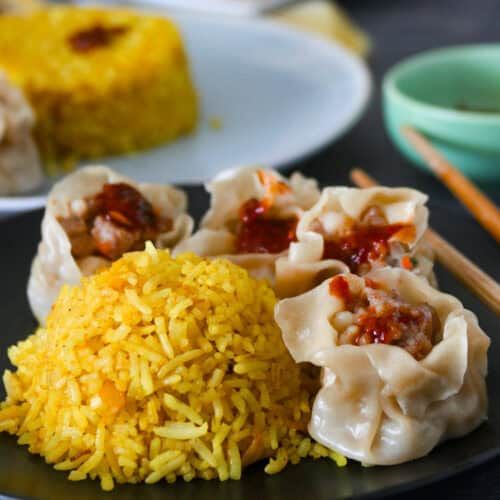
(101, 81)
(158, 368)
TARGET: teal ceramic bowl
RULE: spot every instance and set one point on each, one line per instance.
(451, 95)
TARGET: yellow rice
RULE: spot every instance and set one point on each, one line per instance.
(130, 93)
(160, 368)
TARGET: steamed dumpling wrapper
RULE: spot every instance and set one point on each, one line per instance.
(388, 403)
(65, 254)
(252, 217)
(20, 166)
(358, 230)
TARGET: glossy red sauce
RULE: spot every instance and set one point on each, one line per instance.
(372, 283)
(339, 287)
(125, 206)
(364, 244)
(386, 327)
(261, 234)
(95, 37)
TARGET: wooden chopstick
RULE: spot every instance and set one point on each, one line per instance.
(480, 283)
(481, 207)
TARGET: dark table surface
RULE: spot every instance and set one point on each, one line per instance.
(400, 28)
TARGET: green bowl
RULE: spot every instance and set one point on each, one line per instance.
(451, 95)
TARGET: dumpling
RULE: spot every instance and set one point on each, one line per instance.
(93, 216)
(404, 365)
(20, 166)
(351, 229)
(252, 218)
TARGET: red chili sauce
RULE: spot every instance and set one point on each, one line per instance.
(364, 244)
(259, 233)
(94, 38)
(385, 318)
(117, 220)
(339, 287)
(386, 327)
(125, 206)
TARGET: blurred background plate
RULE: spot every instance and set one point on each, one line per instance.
(269, 95)
(228, 7)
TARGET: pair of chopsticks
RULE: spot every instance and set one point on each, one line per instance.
(485, 211)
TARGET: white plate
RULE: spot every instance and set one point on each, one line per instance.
(278, 93)
(226, 7)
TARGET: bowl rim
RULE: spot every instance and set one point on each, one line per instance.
(391, 90)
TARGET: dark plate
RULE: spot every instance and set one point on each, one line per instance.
(25, 475)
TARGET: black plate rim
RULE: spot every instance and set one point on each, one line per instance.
(464, 466)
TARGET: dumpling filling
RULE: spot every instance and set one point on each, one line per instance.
(253, 218)
(115, 221)
(369, 241)
(380, 316)
(260, 232)
(260, 228)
